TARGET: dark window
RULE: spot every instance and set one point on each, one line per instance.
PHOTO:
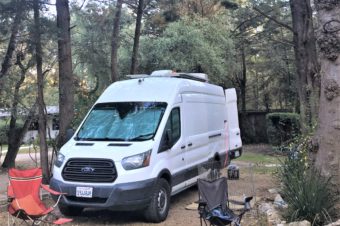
(33, 126)
(55, 123)
(174, 125)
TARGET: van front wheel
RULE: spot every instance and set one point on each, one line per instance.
(158, 209)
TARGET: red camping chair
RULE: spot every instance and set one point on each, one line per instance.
(24, 197)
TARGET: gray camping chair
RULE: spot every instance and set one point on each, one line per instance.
(213, 204)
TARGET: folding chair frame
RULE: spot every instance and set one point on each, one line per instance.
(16, 198)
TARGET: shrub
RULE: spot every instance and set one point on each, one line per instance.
(4, 129)
(309, 195)
(3, 134)
(282, 127)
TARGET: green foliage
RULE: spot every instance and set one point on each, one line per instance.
(308, 194)
(191, 44)
(282, 127)
(4, 128)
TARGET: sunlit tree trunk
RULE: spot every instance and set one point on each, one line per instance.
(328, 133)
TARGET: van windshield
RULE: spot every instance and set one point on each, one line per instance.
(122, 121)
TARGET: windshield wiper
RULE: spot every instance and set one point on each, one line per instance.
(142, 137)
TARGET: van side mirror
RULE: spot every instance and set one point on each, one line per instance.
(69, 134)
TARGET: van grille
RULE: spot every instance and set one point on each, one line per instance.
(90, 170)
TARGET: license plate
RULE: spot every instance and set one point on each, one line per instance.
(237, 153)
(85, 192)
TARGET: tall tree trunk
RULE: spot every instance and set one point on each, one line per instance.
(15, 138)
(115, 41)
(328, 133)
(16, 135)
(41, 104)
(306, 62)
(134, 58)
(243, 80)
(66, 86)
(6, 64)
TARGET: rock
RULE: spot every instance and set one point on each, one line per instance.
(279, 202)
(273, 191)
(192, 206)
(297, 223)
(273, 217)
(264, 207)
(337, 223)
(300, 223)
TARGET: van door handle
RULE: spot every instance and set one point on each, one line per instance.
(183, 147)
(190, 144)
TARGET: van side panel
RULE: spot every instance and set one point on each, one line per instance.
(204, 130)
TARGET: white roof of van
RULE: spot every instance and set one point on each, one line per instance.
(158, 89)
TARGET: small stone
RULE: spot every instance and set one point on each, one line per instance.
(279, 202)
(273, 191)
(337, 223)
(300, 223)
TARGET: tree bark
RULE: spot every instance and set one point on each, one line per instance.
(6, 64)
(243, 80)
(41, 104)
(66, 86)
(134, 58)
(307, 65)
(16, 135)
(328, 132)
(115, 41)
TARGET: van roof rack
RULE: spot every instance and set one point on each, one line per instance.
(201, 77)
(137, 76)
(194, 76)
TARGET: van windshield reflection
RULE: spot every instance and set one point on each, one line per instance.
(122, 121)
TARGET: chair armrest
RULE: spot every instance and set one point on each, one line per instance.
(53, 192)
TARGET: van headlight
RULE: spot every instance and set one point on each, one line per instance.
(60, 160)
(136, 161)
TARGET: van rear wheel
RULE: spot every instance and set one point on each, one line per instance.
(158, 209)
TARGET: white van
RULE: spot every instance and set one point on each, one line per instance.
(144, 140)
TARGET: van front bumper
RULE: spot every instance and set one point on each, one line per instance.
(127, 196)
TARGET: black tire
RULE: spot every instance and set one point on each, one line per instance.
(158, 209)
(70, 210)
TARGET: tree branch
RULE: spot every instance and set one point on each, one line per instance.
(273, 19)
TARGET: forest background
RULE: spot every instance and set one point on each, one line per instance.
(280, 55)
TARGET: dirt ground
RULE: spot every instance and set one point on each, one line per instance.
(251, 182)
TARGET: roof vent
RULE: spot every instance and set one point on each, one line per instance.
(162, 73)
(137, 76)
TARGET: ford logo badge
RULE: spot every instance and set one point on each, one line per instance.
(87, 169)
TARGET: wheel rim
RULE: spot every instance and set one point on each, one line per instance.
(162, 201)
